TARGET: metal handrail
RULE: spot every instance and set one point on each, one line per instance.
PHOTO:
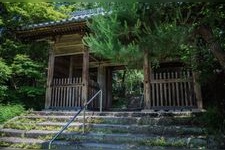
(74, 117)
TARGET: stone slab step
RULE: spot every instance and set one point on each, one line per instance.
(123, 113)
(112, 120)
(116, 128)
(106, 140)
(21, 140)
(109, 138)
(103, 146)
(14, 142)
(89, 119)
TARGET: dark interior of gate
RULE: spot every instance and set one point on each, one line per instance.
(67, 82)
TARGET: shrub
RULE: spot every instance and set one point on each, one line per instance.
(214, 121)
(10, 111)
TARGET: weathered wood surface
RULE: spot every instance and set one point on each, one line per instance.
(69, 49)
(197, 90)
(172, 89)
(93, 88)
(101, 79)
(85, 75)
(109, 88)
(50, 75)
(147, 81)
(69, 44)
(66, 93)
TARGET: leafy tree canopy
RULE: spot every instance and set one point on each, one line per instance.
(23, 65)
(164, 29)
(130, 28)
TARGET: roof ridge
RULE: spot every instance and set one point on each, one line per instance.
(76, 16)
(87, 11)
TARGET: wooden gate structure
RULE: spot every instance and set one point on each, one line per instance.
(172, 89)
(74, 72)
(66, 93)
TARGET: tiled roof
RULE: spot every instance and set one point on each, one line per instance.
(78, 16)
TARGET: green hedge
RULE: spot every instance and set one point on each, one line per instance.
(10, 111)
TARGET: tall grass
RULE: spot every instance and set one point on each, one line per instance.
(9, 111)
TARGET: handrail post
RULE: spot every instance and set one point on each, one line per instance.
(101, 101)
(84, 119)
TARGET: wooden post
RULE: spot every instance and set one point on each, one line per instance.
(109, 88)
(197, 90)
(50, 75)
(85, 76)
(102, 83)
(147, 81)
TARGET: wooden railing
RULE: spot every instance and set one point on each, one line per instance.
(66, 93)
(172, 89)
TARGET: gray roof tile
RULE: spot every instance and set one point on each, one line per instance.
(77, 16)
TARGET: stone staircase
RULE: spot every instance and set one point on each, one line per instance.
(106, 130)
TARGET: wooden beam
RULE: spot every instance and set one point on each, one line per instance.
(85, 75)
(67, 54)
(197, 90)
(50, 75)
(71, 38)
(69, 49)
(147, 80)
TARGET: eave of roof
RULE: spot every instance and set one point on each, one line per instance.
(76, 23)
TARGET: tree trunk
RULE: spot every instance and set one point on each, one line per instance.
(207, 35)
(147, 82)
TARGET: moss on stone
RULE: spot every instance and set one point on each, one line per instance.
(161, 141)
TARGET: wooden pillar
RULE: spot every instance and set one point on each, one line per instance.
(197, 90)
(102, 83)
(109, 88)
(147, 80)
(50, 75)
(85, 75)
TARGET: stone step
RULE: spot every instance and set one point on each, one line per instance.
(89, 119)
(111, 128)
(112, 120)
(24, 143)
(98, 137)
(123, 113)
(116, 130)
(128, 139)
(103, 146)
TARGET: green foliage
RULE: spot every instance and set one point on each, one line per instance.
(128, 29)
(214, 121)
(23, 74)
(33, 87)
(23, 13)
(133, 81)
(161, 141)
(125, 84)
(10, 111)
(5, 73)
(24, 66)
(9, 48)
